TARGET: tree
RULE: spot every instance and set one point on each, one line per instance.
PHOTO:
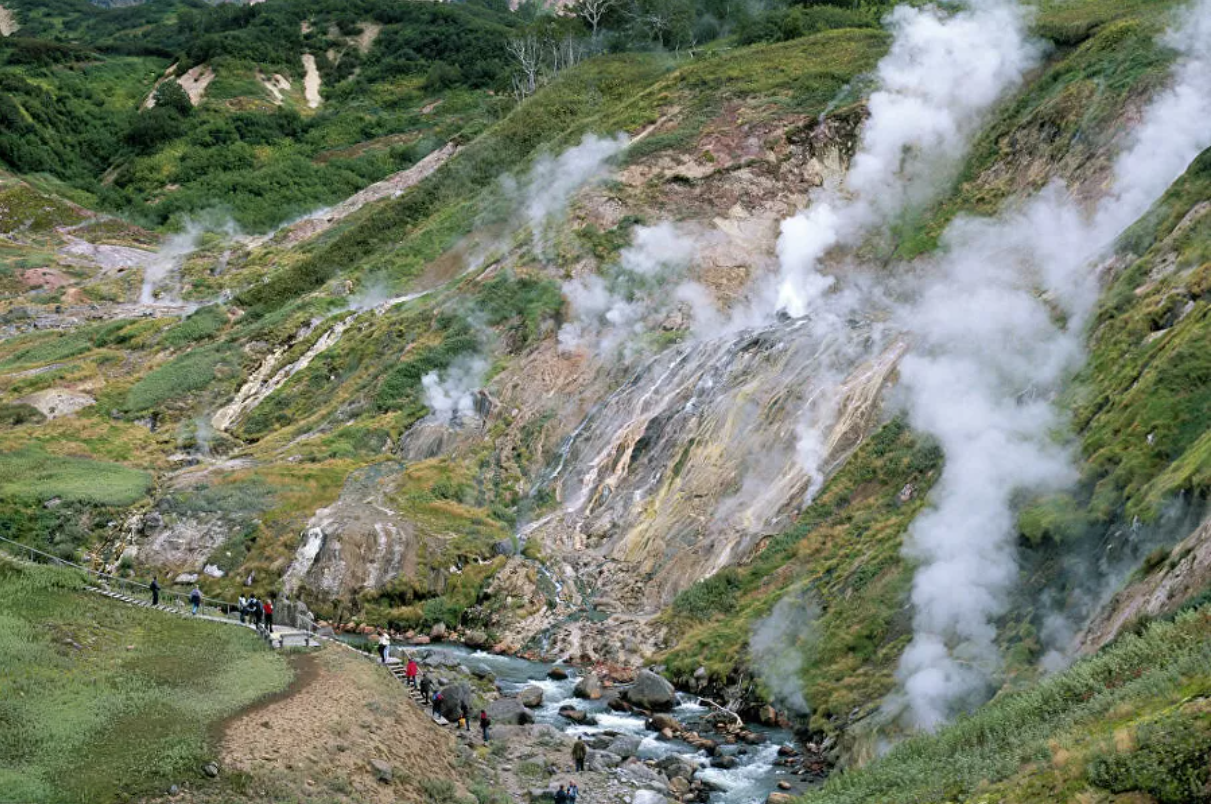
(526, 52)
(170, 95)
(592, 12)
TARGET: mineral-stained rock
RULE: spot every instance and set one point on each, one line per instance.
(589, 687)
(557, 673)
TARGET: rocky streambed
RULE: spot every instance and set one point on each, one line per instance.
(647, 742)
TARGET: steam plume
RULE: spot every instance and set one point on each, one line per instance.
(452, 395)
(160, 275)
(779, 643)
(999, 326)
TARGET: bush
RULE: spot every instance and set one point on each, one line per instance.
(14, 415)
(1169, 762)
(190, 372)
(201, 324)
(710, 596)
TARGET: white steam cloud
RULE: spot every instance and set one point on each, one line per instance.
(999, 325)
(607, 313)
(548, 188)
(451, 394)
(161, 275)
(940, 78)
(779, 644)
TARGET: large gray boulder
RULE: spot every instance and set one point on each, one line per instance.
(650, 691)
(588, 687)
(453, 697)
(509, 712)
(602, 760)
(531, 697)
(624, 745)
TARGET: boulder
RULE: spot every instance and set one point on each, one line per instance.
(679, 786)
(531, 696)
(618, 705)
(779, 798)
(420, 640)
(602, 760)
(767, 715)
(641, 774)
(588, 687)
(751, 737)
(726, 762)
(577, 716)
(475, 639)
(557, 673)
(676, 765)
(650, 691)
(624, 745)
(213, 571)
(211, 769)
(661, 721)
(438, 632)
(453, 697)
(382, 770)
(509, 712)
(186, 578)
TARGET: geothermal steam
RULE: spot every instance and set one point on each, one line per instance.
(998, 328)
(451, 394)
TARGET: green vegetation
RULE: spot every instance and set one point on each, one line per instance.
(202, 324)
(192, 371)
(32, 474)
(1135, 717)
(103, 702)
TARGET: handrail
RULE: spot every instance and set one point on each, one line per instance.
(224, 606)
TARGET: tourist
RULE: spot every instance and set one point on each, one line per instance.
(579, 752)
(437, 703)
(155, 591)
(485, 723)
(195, 599)
(413, 669)
(257, 612)
(243, 604)
(465, 720)
(425, 686)
(573, 792)
(268, 608)
(561, 796)
(384, 646)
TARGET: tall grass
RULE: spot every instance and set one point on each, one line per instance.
(101, 702)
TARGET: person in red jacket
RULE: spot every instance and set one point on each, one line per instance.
(268, 605)
(412, 671)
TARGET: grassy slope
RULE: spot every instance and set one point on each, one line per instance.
(1134, 718)
(101, 702)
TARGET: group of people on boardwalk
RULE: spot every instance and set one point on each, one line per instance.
(255, 610)
(567, 795)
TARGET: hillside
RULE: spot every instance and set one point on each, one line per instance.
(849, 361)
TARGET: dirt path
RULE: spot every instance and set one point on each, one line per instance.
(319, 737)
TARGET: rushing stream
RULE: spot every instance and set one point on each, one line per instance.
(749, 782)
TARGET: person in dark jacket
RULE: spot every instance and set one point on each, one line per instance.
(425, 686)
(485, 723)
(579, 752)
(561, 796)
(195, 599)
(437, 702)
(155, 592)
(466, 716)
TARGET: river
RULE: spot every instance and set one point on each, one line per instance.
(753, 778)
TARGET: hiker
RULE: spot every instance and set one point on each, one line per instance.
(155, 591)
(267, 606)
(411, 672)
(484, 723)
(243, 604)
(425, 686)
(437, 702)
(257, 611)
(384, 645)
(573, 792)
(464, 722)
(579, 752)
(195, 599)
(561, 796)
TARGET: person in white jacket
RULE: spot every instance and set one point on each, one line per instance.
(384, 645)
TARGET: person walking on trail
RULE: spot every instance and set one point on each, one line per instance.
(579, 752)
(485, 723)
(561, 795)
(437, 703)
(243, 604)
(573, 792)
(257, 611)
(411, 672)
(155, 591)
(195, 599)
(384, 647)
(425, 686)
(465, 721)
(268, 606)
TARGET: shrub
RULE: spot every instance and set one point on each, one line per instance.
(190, 372)
(1168, 762)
